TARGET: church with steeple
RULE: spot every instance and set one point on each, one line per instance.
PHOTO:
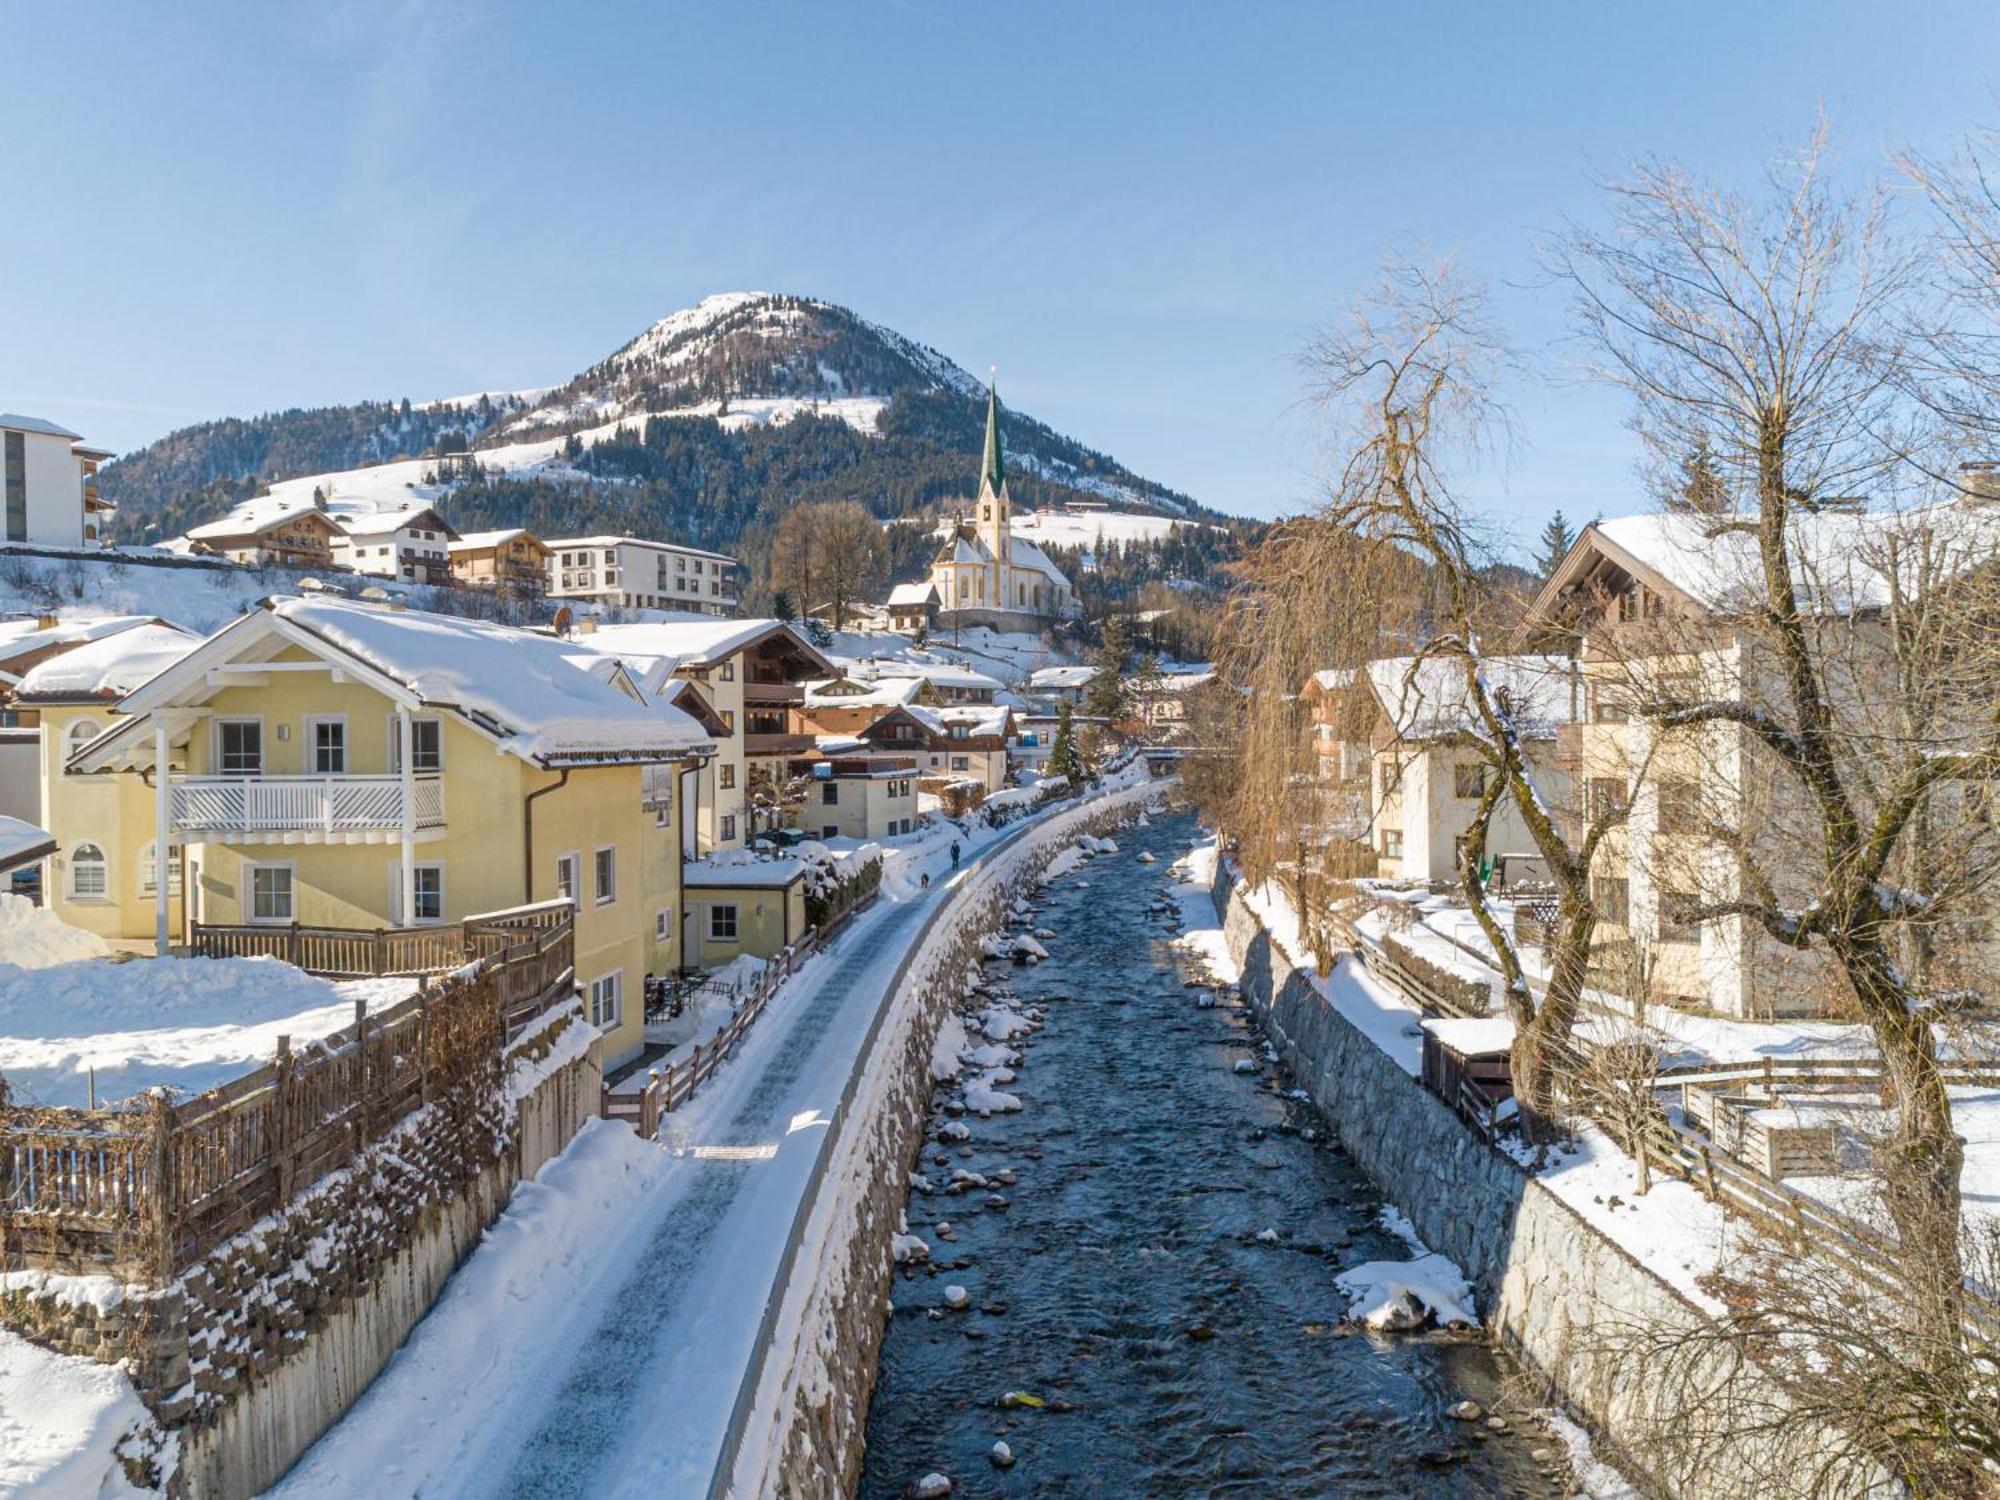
(984, 574)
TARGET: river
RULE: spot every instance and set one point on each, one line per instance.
(1123, 1283)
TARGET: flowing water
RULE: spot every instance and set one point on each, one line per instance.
(1123, 1283)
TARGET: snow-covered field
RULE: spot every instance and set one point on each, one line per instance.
(188, 1023)
(60, 1419)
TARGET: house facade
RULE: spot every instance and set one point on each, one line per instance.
(513, 562)
(948, 744)
(625, 572)
(913, 607)
(298, 536)
(984, 574)
(340, 764)
(412, 545)
(1426, 782)
(48, 485)
(859, 796)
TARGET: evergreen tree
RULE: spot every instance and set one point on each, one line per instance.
(1105, 697)
(783, 606)
(1557, 539)
(1702, 489)
(1064, 758)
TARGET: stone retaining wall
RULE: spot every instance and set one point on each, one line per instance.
(805, 1436)
(1553, 1286)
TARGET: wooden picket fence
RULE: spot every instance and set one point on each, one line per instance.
(147, 1191)
(667, 1088)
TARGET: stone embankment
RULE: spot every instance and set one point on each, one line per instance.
(804, 1411)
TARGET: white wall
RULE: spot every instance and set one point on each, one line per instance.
(55, 492)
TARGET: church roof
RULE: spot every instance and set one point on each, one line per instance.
(992, 472)
(1028, 555)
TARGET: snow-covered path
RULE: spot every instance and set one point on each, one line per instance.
(605, 1356)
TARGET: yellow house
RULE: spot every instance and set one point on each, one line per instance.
(101, 877)
(737, 905)
(348, 765)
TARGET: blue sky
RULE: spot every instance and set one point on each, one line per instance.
(1139, 212)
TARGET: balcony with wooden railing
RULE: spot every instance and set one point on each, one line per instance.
(775, 694)
(322, 809)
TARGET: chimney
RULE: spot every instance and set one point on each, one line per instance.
(1980, 481)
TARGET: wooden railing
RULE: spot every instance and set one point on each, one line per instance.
(146, 1192)
(369, 952)
(303, 804)
(667, 1089)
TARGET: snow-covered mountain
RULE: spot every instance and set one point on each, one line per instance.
(894, 423)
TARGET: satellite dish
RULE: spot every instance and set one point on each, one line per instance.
(564, 620)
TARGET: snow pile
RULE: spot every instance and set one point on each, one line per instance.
(189, 1023)
(908, 1249)
(1093, 845)
(1029, 947)
(34, 937)
(1395, 1296)
(61, 1419)
(1595, 1479)
(947, 1049)
(1070, 859)
(1003, 1023)
(982, 1098)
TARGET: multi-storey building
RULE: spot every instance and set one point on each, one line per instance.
(629, 573)
(48, 485)
(263, 534)
(340, 764)
(514, 562)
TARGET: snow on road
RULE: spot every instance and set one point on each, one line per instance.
(594, 1344)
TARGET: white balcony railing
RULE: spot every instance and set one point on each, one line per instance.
(303, 804)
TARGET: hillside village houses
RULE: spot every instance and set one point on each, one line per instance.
(1061, 684)
(984, 574)
(626, 572)
(48, 485)
(350, 765)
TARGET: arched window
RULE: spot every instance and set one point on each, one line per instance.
(86, 873)
(146, 887)
(81, 733)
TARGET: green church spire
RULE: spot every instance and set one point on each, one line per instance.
(992, 474)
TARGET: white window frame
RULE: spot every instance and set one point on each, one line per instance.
(250, 872)
(395, 757)
(102, 863)
(606, 999)
(598, 894)
(663, 925)
(147, 890)
(735, 933)
(310, 749)
(72, 744)
(403, 918)
(215, 743)
(574, 859)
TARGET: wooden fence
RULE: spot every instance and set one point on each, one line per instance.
(148, 1191)
(1795, 1220)
(667, 1089)
(370, 952)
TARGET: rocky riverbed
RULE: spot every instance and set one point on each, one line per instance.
(1127, 1234)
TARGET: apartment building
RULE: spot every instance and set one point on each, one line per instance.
(48, 485)
(266, 534)
(629, 573)
(513, 561)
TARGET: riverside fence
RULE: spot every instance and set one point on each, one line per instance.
(144, 1191)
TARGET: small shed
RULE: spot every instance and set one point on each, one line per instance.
(1466, 1064)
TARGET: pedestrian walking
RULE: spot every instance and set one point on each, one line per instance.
(954, 854)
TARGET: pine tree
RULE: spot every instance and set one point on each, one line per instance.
(1105, 697)
(1557, 539)
(1064, 759)
(783, 606)
(1702, 489)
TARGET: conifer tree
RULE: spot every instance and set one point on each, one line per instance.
(1064, 758)
(1557, 539)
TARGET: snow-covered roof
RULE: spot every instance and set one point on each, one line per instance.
(14, 421)
(1840, 557)
(1047, 678)
(1427, 699)
(886, 692)
(18, 637)
(515, 686)
(841, 744)
(22, 842)
(1028, 555)
(912, 594)
(973, 718)
(1181, 682)
(697, 640)
(255, 516)
(475, 541)
(110, 666)
(1333, 679)
(940, 674)
(389, 522)
(739, 867)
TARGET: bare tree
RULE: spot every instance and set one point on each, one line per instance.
(1763, 331)
(1410, 378)
(829, 555)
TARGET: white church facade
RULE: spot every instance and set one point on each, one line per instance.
(984, 574)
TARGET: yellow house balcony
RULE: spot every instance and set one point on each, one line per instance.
(305, 809)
